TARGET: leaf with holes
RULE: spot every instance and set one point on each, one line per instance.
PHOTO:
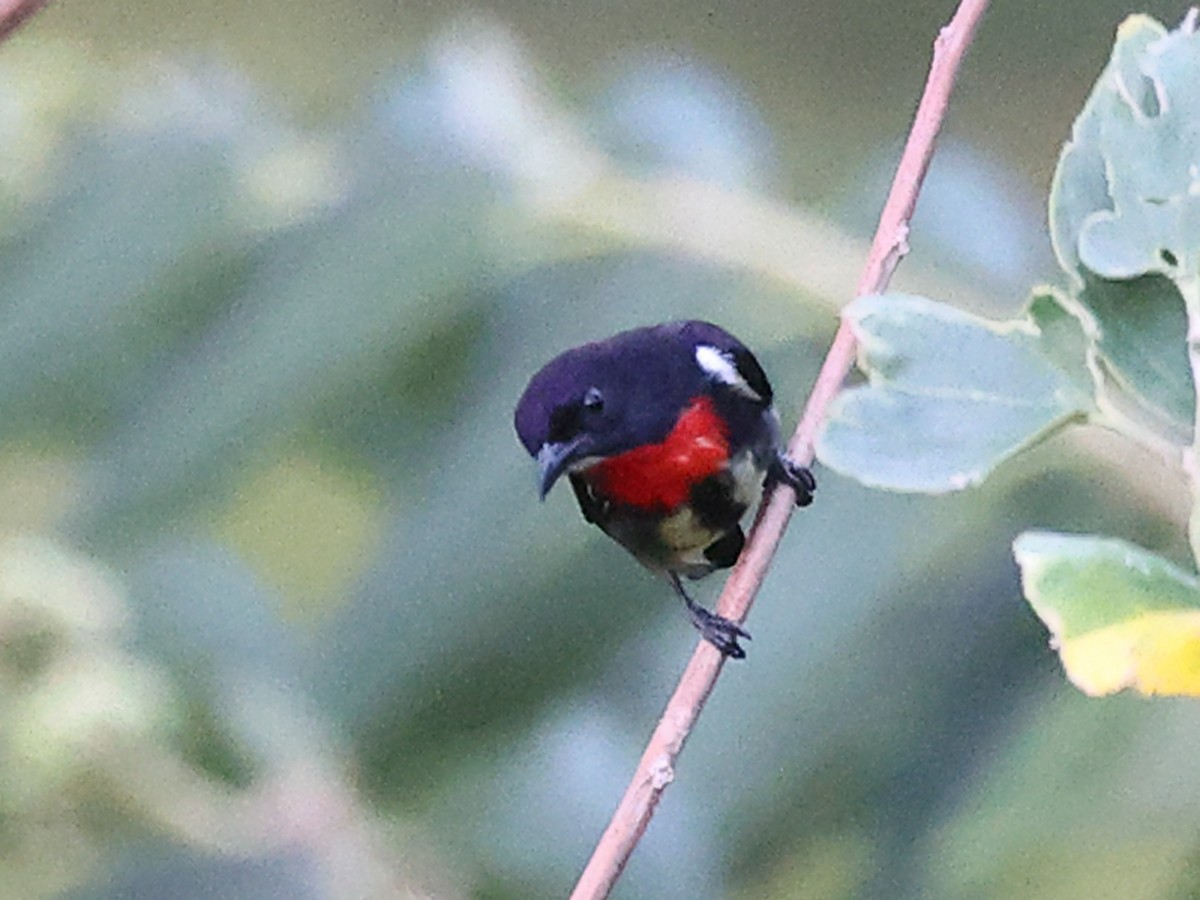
(950, 395)
(1119, 616)
(1145, 107)
(1125, 212)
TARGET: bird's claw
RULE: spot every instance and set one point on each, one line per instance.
(719, 631)
(785, 470)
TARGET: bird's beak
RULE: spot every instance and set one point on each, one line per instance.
(554, 459)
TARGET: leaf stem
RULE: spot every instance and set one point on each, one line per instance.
(1189, 287)
(1112, 415)
(657, 766)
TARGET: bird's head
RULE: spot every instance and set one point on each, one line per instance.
(602, 399)
(572, 413)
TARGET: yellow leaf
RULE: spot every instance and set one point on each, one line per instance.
(1156, 654)
(1120, 616)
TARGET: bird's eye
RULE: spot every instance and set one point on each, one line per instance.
(593, 400)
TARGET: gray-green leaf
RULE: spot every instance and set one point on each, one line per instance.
(1125, 212)
(949, 395)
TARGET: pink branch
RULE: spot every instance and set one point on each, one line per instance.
(657, 767)
(13, 14)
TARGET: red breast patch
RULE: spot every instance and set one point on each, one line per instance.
(661, 476)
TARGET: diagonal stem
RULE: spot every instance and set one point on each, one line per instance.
(13, 14)
(657, 766)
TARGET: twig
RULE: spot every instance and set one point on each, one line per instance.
(657, 767)
(13, 14)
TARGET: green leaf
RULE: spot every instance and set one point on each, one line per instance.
(1141, 325)
(1125, 201)
(1119, 616)
(1080, 188)
(950, 395)
(1061, 338)
(1149, 108)
(1125, 212)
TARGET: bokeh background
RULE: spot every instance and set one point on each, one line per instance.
(280, 615)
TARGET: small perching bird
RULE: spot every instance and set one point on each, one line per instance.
(666, 434)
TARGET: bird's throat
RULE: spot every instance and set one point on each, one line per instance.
(660, 477)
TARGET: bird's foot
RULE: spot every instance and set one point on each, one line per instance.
(785, 470)
(719, 631)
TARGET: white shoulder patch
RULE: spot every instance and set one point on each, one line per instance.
(720, 368)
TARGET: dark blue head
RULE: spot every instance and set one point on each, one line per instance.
(607, 397)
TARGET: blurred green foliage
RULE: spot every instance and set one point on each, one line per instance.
(257, 368)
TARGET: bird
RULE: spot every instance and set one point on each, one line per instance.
(667, 435)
